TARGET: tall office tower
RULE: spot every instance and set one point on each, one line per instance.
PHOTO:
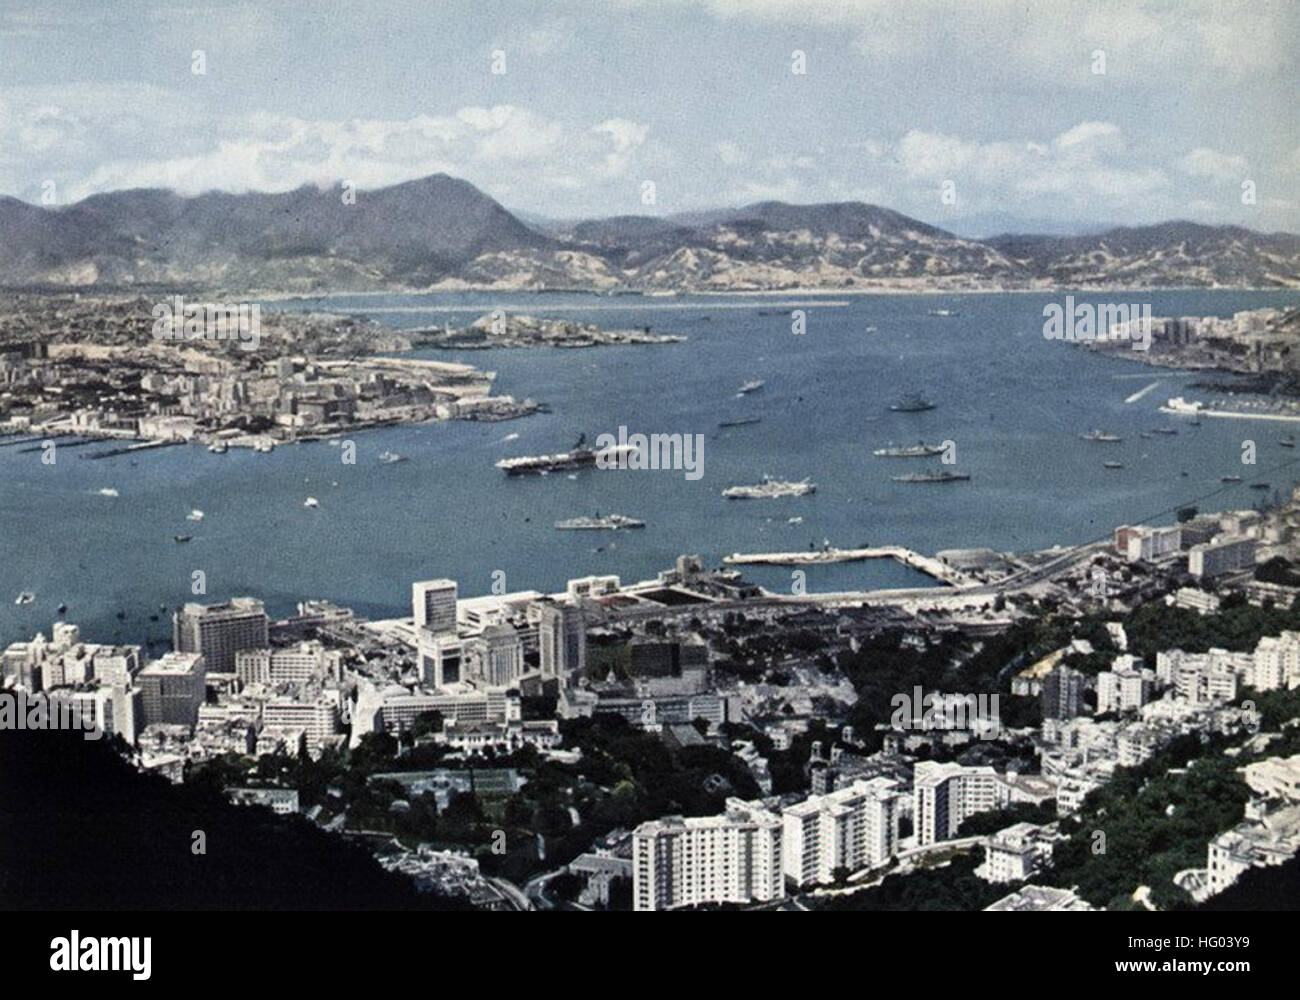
(434, 604)
(218, 631)
(502, 656)
(1062, 693)
(853, 828)
(562, 640)
(172, 689)
(732, 858)
(944, 795)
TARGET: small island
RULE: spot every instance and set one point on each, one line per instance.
(500, 329)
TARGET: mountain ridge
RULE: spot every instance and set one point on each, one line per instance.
(441, 232)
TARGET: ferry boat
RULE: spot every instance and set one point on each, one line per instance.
(751, 386)
(918, 450)
(770, 489)
(931, 477)
(580, 457)
(610, 522)
(1096, 435)
(912, 403)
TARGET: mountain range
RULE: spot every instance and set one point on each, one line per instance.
(439, 232)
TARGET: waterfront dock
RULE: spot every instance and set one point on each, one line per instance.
(925, 564)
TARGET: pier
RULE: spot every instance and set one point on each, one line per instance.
(914, 560)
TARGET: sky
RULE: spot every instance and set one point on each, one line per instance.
(979, 116)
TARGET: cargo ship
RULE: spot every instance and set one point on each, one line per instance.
(610, 522)
(919, 450)
(579, 457)
(770, 489)
(931, 477)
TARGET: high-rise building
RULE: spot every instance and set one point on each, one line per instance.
(852, 828)
(500, 656)
(944, 795)
(1226, 554)
(434, 605)
(172, 689)
(219, 631)
(732, 858)
(1062, 696)
(562, 640)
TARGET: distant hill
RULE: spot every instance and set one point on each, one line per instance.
(80, 828)
(441, 232)
(1165, 255)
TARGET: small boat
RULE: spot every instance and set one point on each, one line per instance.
(1288, 441)
(180, 538)
(1113, 465)
(62, 609)
(1164, 430)
(311, 502)
(264, 447)
(1096, 435)
(912, 403)
(194, 515)
(931, 477)
(944, 312)
(1229, 479)
(743, 422)
(389, 457)
(751, 386)
(1259, 486)
(121, 615)
(869, 329)
(26, 597)
(218, 447)
(794, 520)
(108, 491)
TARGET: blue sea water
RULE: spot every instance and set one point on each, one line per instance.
(1013, 402)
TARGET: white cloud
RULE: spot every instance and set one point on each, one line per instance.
(1210, 163)
(146, 137)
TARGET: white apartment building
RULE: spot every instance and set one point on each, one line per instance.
(1123, 690)
(1276, 663)
(1226, 554)
(1017, 853)
(1152, 543)
(731, 858)
(852, 828)
(946, 794)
